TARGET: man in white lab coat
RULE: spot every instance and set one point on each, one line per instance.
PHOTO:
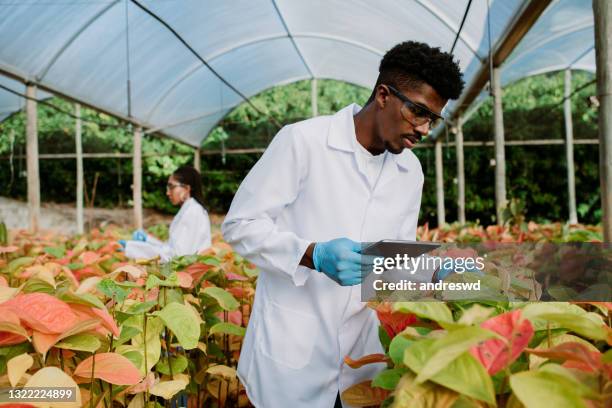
(322, 187)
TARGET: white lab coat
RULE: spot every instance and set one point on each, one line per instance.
(189, 234)
(308, 187)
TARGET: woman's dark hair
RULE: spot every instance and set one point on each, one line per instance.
(189, 176)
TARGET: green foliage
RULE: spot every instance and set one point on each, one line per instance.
(536, 175)
(532, 110)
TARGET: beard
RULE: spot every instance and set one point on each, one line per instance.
(394, 149)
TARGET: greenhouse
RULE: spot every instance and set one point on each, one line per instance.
(103, 103)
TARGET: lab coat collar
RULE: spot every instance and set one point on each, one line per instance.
(342, 131)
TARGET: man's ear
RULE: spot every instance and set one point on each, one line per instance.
(381, 96)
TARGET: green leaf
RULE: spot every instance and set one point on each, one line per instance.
(436, 311)
(398, 347)
(154, 281)
(182, 322)
(135, 357)
(227, 328)
(411, 394)
(139, 308)
(224, 298)
(464, 374)
(389, 378)
(572, 317)
(178, 364)
(153, 343)
(475, 315)
(80, 342)
(13, 351)
(383, 336)
(451, 346)
(73, 266)
(37, 285)
(607, 357)
(210, 260)
(56, 252)
(127, 333)
(110, 289)
(543, 389)
(86, 299)
(19, 263)
(169, 295)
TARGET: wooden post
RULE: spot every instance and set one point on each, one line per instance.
(313, 97)
(500, 155)
(460, 172)
(197, 160)
(79, 168)
(32, 158)
(602, 10)
(137, 183)
(440, 183)
(569, 148)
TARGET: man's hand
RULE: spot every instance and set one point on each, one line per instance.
(340, 259)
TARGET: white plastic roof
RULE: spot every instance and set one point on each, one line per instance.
(562, 38)
(78, 48)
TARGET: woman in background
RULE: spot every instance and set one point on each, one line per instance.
(190, 229)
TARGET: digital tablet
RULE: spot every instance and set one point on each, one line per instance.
(391, 248)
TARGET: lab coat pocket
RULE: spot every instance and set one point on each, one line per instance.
(288, 336)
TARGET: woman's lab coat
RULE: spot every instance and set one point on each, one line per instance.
(189, 234)
(308, 187)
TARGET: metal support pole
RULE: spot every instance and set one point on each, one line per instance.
(32, 158)
(137, 183)
(440, 183)
(602, 10)
(313, 97)
(197, 160)
(500, 155)
(460, 172)
(569, 148)
(79, 168)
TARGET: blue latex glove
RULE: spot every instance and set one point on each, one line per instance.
(443, 272)
(139, 235)
(340, 259)
(122, 243)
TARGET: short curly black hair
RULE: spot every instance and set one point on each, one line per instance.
(411, 63)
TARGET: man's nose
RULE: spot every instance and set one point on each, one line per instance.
(422, 129)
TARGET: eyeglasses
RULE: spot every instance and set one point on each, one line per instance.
(414, 113)
(171, 186)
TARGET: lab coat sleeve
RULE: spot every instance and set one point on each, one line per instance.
(271, 185)
(154, 241)
(191, 234)
(141, 250)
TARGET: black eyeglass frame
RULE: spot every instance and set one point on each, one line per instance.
(434, 118)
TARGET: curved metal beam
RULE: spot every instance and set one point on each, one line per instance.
(438, 16)
(550, 38)
(74, 36)
(581, 56)
(297, 49)
(196, 66)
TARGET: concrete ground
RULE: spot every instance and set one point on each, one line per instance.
(62, 217)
